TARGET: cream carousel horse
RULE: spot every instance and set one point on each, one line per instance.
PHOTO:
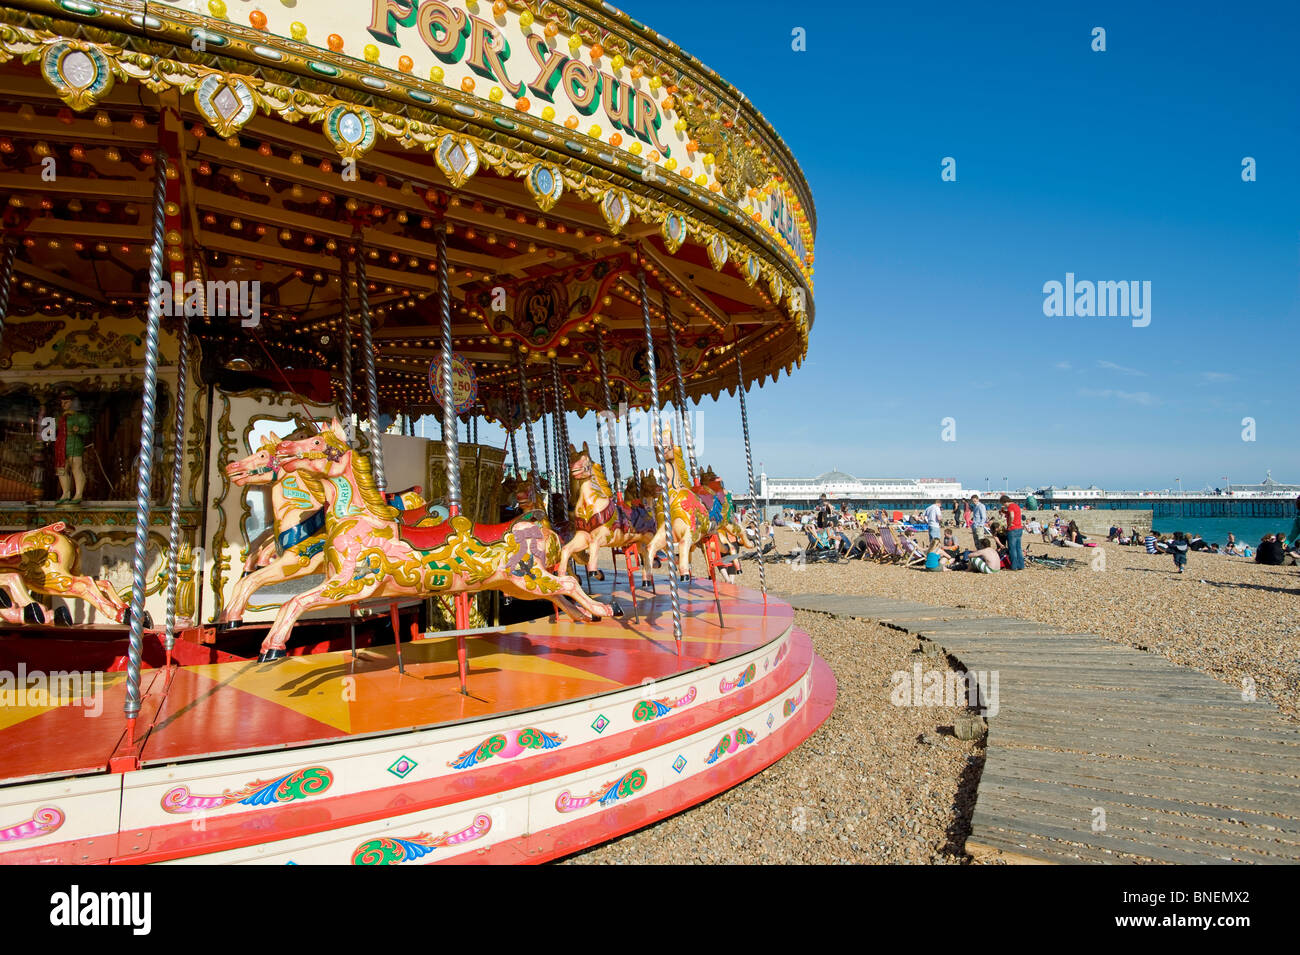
(370, 554)
(294, 545)
(598, 520)
(688, 519)
(46, 561)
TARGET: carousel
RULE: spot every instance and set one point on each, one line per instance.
(264, 272)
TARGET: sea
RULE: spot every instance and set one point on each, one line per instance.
(1215, 529)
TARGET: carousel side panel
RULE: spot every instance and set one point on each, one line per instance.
(70, 406)
(247, 514)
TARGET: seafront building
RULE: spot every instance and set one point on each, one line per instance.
(1268, 498)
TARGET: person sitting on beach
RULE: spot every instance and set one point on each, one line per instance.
(1269, 551)
(1034, 527)
(935, 558)
(949, 544)
(986, 560)
(1196, 542)
(1288, 553)
(1073, 537)
(1179, 548)
(1232, 547)
(1150, 542)
(1113, 534)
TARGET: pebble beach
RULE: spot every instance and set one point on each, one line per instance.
(882, 783)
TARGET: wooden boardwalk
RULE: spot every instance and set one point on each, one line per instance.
(1098, 753)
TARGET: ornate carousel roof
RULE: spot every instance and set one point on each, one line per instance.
(562, 147)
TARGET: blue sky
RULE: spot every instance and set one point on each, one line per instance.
(1116, 165)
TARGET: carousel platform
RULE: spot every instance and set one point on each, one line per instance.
(571, 735)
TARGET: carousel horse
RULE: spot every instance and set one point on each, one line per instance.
(294, 545)
(599, 520)
(47, 561)
(370, 554)
(520, 490)
(689, 521)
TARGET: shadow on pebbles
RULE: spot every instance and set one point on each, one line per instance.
(877, 782)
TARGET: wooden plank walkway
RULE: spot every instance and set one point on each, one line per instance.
(1099, 753)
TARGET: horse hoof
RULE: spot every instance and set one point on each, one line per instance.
(275, 653)
(33, 613)
(61, 617)
(222, 626)
(5, 602)
(148, 619)
(618, 610)
(658, 563)
(598, 574)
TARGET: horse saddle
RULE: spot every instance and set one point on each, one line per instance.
(432, 537)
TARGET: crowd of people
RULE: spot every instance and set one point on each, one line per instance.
(997, 543)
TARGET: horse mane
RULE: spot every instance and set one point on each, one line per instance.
(363, 474)
(602, 483)
(680, 464)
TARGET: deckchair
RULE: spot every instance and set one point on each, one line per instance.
(914, 553)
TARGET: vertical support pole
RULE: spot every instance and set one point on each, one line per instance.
(659, 460)
(144, 478)
(514, 452)
(561, 438)
(345, 318)
(528, 423)
(749, 466)
(451, 443)
(631, 440)
(609, 411)
(613, 460)
(546, 450)
(6, 280)
(681, 392)
(372, 387)
(178, 454)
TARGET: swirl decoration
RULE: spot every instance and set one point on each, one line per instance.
(44, 821)
(507, 746)
(792, 704)
(609, 793)
(746, 677)
(296, 785)
(395, 850)
(782, 653)
(729, 744)
(647, 710)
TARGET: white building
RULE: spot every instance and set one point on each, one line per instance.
(839, 486)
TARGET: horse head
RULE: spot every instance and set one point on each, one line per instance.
(580, 462)
(325, 454)
(260, 467)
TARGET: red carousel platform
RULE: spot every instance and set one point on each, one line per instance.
(572, 734)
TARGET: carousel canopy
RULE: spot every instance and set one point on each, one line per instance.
(563, 147)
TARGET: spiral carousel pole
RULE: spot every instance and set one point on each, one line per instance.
(451, 443)
(680, 391)
(372, 387)
(749, 466)
(6, 280)
(561, 437)
(514, 452)
(659, 460)
(178, 453)
(144, 479)
(528, 424)
(631, 442)
(546, 448)
(345, 316)
(629, 555)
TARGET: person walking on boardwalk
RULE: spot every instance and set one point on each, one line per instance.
(1014, 531)
(979, 518)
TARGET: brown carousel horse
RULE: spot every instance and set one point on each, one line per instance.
(599, 520)
(46, 561)
(370, 554)
(688, 520)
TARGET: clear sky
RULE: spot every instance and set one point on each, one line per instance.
(1116, 165)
